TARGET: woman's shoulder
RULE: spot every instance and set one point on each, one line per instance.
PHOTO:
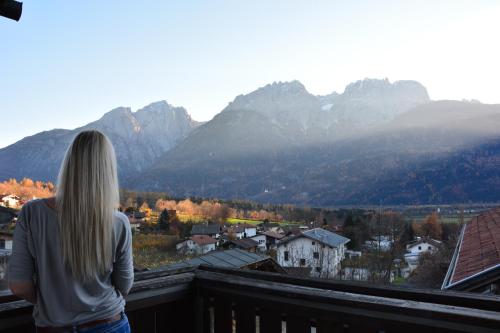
(121, 219)
(36, 204)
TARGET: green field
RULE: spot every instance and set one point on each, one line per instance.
(444, 218)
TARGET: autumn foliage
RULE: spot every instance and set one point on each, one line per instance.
(432, 227)
(214, 210)
(26, 189)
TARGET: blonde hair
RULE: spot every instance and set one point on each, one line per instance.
(86, 197)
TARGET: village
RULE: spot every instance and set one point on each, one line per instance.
(376, 248)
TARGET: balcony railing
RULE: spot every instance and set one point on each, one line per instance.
(225, 301)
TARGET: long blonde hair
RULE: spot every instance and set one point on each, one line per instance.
(86, 197)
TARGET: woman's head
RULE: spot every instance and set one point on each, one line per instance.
(86, 197)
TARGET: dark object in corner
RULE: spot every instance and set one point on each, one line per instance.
(11, 9)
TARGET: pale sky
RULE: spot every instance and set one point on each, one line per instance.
(66, 63)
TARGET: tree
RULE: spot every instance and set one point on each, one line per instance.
(145, 209)
(431, 227)
(356, 231)
(164, 220)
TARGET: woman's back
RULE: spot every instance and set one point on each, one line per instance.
(61, 299)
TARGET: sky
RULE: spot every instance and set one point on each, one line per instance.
(66, 63)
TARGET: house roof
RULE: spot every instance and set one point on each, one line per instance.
(233, 258)
(326, 237)
(477, 251)
(241, 227)
(273, 234)
(427, 240)
(203, 240)
(245, 243)
(321, 235)
(205, 229)
(139, 215)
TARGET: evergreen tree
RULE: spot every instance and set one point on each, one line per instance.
(164, 220)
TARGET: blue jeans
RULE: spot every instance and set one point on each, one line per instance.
(119, 326)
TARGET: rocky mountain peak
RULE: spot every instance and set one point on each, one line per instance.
(376, 88)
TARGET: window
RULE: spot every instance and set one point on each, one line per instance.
(316, 255)
(313, 243)
(318, 269)
(302, 262)
(2, 243)
(429, 248)
(420, 248)
(286, 255)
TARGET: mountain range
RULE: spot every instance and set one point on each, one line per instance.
(376, 142)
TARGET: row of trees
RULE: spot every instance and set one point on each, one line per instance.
(27, 188)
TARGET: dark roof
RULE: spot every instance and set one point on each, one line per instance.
(273, 234)
(477, 251)
(139, 215)
(245, 243)
(234, 258)
(321, 235)
(205, 229)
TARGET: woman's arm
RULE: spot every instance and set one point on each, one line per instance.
(24, 290)
(123, 268)
(21, 268)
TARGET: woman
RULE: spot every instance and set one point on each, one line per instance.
(72, 254)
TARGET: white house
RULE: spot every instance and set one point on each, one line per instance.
(261, 239)
(416, 248)
(11, 200)
(197, 244)
(317, 249)
(243, 231)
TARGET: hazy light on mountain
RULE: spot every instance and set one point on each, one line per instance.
(68, 64)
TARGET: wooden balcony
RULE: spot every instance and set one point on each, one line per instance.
(215, 300)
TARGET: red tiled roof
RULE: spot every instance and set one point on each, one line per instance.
(480, 246)
(203, 239)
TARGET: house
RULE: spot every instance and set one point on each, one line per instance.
(242, 230)
(416, 248)
(136, 217)
(272, 238)
(261, 242)
(10, 200)
(317, 249)
(234, 258)
(475, 265)
(246, 244)
(211, 230)
(7, 215)
(197, 244)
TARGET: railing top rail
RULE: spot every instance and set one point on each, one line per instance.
(472, 300)
(311, 302)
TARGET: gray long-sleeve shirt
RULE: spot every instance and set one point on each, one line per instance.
(61, 300)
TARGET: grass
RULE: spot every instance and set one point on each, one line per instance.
(399, 280)
(151, 250)
(150, 241)
(154, 257)
(233, 220)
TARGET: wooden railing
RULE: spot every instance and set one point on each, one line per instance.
(215, 300)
